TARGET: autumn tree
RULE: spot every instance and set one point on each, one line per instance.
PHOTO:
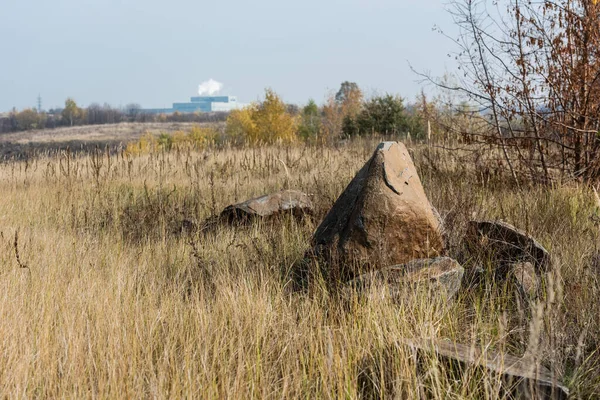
(533, 68)
(72, 113)
(342, 106)
(240, 127)
(266, 122)
(30, 118)
(273, 122)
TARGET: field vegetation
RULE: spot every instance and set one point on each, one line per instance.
(117, 280)
(107, 292)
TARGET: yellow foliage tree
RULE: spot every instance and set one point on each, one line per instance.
(273, 122)
(241, 127)
(72, 113)
(267, 122)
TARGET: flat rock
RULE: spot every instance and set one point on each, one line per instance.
(383, 217)
(270, 205)
(507, 245)
(440, 276)
(521, 378)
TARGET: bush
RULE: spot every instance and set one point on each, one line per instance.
(240, 126)
(147, 144)
(197, 138)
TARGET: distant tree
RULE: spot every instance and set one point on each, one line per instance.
(345, 104)
(350, 126)
(384, 115)
(311, 108)
(273, 122)
(310, 121)
(266, 122)
(113, 115)
(293, 109)
(240, 126)
(346, 91)
(95, 114)
(132, 110)
(12, 117)
(30, 118)
(71, 113)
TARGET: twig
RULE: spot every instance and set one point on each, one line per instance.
(16, 244)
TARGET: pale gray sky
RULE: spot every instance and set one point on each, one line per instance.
(157, 52)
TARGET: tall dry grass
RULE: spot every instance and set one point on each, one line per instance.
(112, 296)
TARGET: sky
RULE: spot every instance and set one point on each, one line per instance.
(155, 53)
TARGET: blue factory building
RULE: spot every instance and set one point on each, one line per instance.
(201, 104)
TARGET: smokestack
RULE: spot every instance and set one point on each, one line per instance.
(209, 87)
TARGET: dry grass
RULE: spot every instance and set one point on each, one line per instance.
(109, 298)
(123, 132)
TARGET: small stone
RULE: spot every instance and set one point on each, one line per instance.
(267, 206)
(505, 245)
(439, 276)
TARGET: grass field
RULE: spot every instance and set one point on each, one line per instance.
(103, 295)
(87, 137)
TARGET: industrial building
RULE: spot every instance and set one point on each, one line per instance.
(201, 104)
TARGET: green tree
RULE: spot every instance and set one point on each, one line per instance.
(384, 115)
(310, 122)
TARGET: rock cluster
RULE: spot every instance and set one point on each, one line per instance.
(382, 237)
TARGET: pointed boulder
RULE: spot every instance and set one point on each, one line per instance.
(383, 217)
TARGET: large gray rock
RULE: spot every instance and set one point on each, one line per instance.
(506, 245)
(270, 205)
(521, 378)
(439, 276)
(383, 217)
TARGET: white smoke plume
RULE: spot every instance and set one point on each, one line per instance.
(209, 87)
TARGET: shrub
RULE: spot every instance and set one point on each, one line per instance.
(147, 144)
(240, 126)
(165, 141)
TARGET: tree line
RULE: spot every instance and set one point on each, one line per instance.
(95, 114)
(344, 114)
